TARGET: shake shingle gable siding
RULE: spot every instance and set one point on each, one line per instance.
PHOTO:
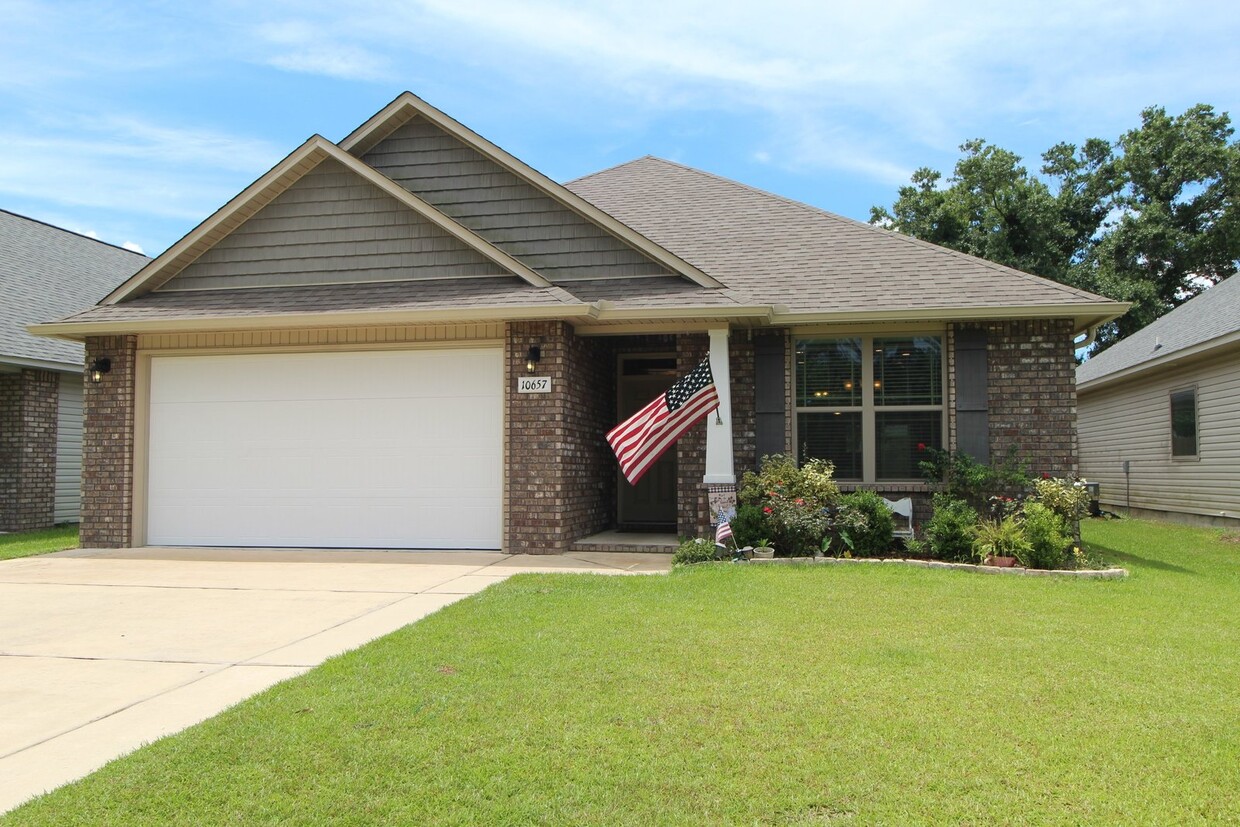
(331, 226)
(782, 252)
(502, 208)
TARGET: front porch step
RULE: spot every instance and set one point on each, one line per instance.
(628, 541)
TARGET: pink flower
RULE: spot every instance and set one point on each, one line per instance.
(921, 446)
(766, 510)
(1046, 475)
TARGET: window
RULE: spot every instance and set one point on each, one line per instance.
(870, 404)
(1184, 423)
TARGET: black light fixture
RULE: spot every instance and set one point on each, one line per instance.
(98, 368)
(532, 357)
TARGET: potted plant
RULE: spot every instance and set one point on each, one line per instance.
(1001, 542)
(763, 550)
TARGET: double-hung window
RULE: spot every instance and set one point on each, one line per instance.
(872, 405)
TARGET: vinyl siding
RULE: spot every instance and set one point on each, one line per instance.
(1132, 421)
(327, 336)
(502, 208)
(69, 449)
(332, 227)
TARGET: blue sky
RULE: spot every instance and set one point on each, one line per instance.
(134, 121)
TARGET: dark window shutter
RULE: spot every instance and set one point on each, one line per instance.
(972, 419)
(770, 365)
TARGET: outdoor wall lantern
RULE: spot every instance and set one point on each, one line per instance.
(98, 368)
(532, 357)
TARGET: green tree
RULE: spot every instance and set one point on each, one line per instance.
(1152, 218)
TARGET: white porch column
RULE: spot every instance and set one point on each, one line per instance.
(719, 469)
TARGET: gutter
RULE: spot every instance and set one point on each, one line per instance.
(1202, 348)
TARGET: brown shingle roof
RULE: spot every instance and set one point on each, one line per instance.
(778, 251)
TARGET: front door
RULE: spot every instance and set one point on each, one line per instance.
(651, 504)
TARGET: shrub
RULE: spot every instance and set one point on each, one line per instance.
(1001, 538)
(1048, 537)
(874, 535)
(694, 551)
(1067, 498)
(951, 529)
(794, 500)
(964, 478)
(750, 525)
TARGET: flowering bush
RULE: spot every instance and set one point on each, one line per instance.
(966, 479)
(794, 500)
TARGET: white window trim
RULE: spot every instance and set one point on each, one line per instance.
(868, 410)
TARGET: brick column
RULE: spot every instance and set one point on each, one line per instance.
(559, 475)
(692, 506)
(28, 407)
(1032, 393)
(108, 445)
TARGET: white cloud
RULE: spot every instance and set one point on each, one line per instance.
(133, 247)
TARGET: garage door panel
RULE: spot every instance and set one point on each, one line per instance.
(396, 449)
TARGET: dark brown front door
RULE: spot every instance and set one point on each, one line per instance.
(651, 504)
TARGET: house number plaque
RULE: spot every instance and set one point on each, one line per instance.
(534, 384)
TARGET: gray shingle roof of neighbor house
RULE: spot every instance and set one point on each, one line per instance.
(1207, 320)
(45, 273)
(778, 251)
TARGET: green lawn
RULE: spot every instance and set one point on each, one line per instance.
(732, 694)
(28, 543)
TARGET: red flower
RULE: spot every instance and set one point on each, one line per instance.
(800, 501)
(766, 510)
(921, 446)
(1046, 475)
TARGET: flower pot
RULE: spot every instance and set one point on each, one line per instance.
(763, 553)
(1001, 562)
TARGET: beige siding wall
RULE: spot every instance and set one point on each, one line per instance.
(324, 336)
(332, 227)
(69, 449)
(1132, 421)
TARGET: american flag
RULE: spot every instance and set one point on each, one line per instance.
(724, 532)
(643, 437)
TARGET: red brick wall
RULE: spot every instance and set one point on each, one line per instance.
(1032, 393)
(108, 445)
(741, 366)
(559, 474)
(28, 407)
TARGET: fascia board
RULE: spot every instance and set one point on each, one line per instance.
(78, 331)
(360, 137)
(1084, 315)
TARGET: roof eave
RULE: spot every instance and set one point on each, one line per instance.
(1084, 316)
(1183, 354)
(78, 331)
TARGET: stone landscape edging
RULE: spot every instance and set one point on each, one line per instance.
(1094, 574)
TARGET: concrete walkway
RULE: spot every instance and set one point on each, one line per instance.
(103, 651)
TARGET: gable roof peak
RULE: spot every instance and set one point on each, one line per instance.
(407, 106)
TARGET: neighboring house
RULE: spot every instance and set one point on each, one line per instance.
(1160, 414)
(45, 272)
(334, 358)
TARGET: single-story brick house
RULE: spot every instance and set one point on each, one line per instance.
(345, 353)
(1160, 414)
(45, 272)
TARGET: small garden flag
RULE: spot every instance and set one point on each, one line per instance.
(643, 437)
(724, 532)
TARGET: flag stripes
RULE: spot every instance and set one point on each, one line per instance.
(641, 439)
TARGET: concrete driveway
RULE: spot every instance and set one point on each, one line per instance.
(103, 651)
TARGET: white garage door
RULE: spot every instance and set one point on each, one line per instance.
(392, 449)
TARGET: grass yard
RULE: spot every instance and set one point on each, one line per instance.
(29, 543)
(745, 695)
